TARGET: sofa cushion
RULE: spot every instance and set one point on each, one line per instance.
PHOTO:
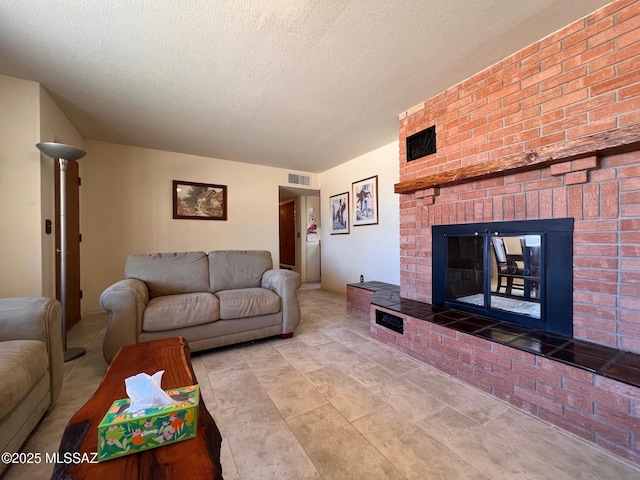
(247, 302)
(22, 364)
(232, 269)
(170, 273)
(179, 311)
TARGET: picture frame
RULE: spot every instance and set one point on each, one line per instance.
(365, 201)
(339, 208)
(199, 201)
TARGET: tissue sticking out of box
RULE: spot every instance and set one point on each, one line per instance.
(144, 392)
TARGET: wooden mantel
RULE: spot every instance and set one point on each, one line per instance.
(615, 141)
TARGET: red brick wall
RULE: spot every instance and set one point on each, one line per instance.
(359, 299)
(581, 80)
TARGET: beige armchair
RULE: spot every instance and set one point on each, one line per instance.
(31, 366)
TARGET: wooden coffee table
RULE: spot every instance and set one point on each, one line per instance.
(196, 458)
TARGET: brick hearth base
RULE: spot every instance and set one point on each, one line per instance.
(598, 408)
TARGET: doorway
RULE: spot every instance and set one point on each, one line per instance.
(74, 293)
(287, 231)
(300, 232)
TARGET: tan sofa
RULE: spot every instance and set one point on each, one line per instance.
(212, 300)
(31, 366)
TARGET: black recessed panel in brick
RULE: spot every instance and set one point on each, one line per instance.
(421, 144)
(389, 321)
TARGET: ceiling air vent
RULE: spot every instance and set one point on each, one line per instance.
(299, 179)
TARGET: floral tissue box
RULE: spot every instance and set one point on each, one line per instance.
(122, 433)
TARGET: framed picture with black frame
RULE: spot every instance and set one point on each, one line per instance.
(365, 201)
(199, 201)
(339, 208)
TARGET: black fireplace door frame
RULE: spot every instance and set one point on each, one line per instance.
(556, 276)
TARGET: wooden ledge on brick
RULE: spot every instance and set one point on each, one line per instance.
(579, 153)
(427, 193)
(558, 169)
(575, 178)
(581, 165)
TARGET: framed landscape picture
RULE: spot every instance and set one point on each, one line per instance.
(365, 201)
(199, 201)
(339, 209)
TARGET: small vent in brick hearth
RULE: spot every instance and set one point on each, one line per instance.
(392, 322)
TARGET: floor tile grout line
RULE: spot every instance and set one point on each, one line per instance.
(329, 403)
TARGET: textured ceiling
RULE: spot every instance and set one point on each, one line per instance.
(300, 84)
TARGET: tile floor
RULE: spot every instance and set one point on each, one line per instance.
(332, 404)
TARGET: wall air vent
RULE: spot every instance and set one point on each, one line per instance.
(299, 179)
(421, 144)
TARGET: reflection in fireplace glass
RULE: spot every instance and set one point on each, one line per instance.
(515, 272)
(515, 275)
(465, 269)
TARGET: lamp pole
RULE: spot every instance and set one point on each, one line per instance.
(63, 153)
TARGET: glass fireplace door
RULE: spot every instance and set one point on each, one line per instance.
(465, 269)
(515, 274)
(512, 263)
(514, 271)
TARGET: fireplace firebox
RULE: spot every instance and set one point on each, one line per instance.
(519, 272)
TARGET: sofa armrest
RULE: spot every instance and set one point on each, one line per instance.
(125, 301)
(36, 318)
(285, 283)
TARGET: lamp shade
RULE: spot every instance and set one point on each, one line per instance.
(60, 150)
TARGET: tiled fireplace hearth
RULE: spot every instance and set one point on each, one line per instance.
(551, 132)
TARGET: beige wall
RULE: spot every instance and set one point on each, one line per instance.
(369, 250)
(126, 207)
(20, 215)
(28, 115)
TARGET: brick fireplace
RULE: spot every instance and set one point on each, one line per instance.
(562, 99)
(553, 131)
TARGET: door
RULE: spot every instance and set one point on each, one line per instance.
(73, 241)
(288, 233)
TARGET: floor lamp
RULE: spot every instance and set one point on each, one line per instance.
(64, 153)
